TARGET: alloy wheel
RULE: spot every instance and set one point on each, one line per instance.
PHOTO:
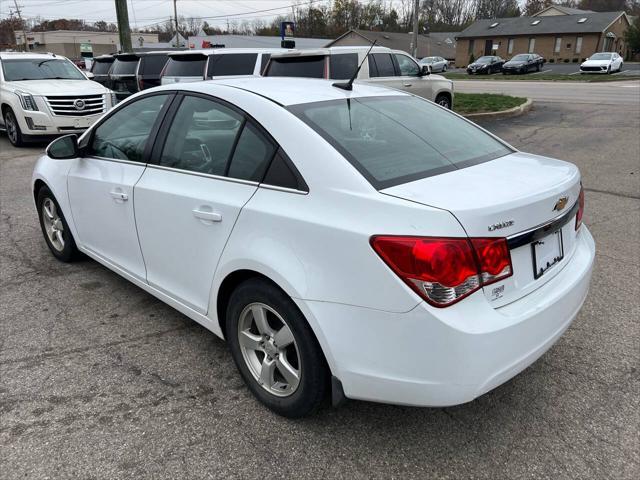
(53, 224)
(269, 349)
(11, 126)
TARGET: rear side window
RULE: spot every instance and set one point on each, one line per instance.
(282, 174)
(252, 155)
(311, 66)
(343, 66)
(152, 64)
(398, 139)
(125, 66)
(382, 65)
(232, 64)
(264, 61)
(101, 67)
(186, 66)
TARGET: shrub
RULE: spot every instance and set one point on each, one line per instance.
(552, 60)
(575, 60)
(472, 58)
(566, 60)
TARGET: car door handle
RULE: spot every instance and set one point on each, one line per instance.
(209, 216)
(118, 195)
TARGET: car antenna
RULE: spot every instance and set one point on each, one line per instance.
(349, 85)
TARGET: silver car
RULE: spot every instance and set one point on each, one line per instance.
(437, 64)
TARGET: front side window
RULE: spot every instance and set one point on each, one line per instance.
(381, 66)
(308, 66)
(124, 134)
(232, 64)
(397, 139)
(201, 137)
(408, 68)
(40, 69)
(342, 66)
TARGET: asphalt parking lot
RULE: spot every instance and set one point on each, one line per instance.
(101, 380)
(629, 68)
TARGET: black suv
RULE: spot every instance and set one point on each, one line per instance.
(100, 68)
(133, 72)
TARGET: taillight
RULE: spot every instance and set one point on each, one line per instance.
(445, 270)
(140, 84)
(580, 208)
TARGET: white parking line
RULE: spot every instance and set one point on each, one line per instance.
(542, 71)
(575, 73)
(618, 73)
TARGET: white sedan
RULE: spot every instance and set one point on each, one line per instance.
(606, 62)
(367, 244)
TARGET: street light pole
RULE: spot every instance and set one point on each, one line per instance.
(175, 19)
(415, 28)
(124, 32)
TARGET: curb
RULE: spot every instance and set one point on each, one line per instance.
(512, 112)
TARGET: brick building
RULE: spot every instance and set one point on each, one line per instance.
(558, 34)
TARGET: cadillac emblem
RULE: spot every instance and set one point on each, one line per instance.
(561, 203)
(79, 104)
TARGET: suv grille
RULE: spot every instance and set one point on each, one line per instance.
(76, 106)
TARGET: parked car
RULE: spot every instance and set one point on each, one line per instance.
(487, 64)
(604, 62)
(46, 94)
(437, 64)
(523, 63)
(134, 72)
(194, 66)
(366, 243)
(100, 69)
(382, 66)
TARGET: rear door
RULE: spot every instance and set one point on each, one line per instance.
(100, 184)
(189, 198)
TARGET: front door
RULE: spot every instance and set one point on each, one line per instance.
(192, 192)
(100, 184)
(385, 69)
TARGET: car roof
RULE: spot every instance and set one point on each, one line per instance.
(307, 52)
(288, 91)
(29, 55)
(223, 51)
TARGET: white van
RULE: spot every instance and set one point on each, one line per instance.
(197, 65)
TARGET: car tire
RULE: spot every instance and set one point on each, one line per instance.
(609, 70)
(293, 379)
(444, 68)
(443, 100)
(13, 128)
(538, 67)
(54, 227)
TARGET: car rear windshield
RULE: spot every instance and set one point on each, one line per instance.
(152, 64)
(232, 64)
(40, 69)
(343, 65)
(125, 66)
(186, 66)
(309, 66)
(101, 67)
(397, 139)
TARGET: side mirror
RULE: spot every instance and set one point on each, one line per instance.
(90, 75)
(64, 148)
(425, 70)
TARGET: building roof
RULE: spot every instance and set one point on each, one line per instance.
(565, 10)
(594, 23)
(253, 41)
(442, 44)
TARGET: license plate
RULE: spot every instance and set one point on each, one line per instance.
(81, 123)
(546, 253)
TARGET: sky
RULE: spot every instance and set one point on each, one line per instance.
(147, 12)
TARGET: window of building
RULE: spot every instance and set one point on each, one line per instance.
(510, 46)
(578, 44)
(556, 48)
(472, 43)
(535, 22)
(532, 44)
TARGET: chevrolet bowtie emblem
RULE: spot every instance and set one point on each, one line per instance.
(561, 203)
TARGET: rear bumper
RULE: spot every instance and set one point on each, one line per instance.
(442, 357)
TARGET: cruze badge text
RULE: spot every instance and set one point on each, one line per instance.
(499, 225)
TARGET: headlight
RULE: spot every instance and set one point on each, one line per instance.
(27, 100)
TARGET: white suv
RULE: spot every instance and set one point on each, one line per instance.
(383, 67)
(46, 94)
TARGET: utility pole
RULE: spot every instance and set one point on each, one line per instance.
(415, 28)
(124, 32)
(22, 25)
(175, 18)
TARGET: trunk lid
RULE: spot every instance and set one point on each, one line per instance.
(503, 198)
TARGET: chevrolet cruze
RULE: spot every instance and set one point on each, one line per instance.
(365, 244)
